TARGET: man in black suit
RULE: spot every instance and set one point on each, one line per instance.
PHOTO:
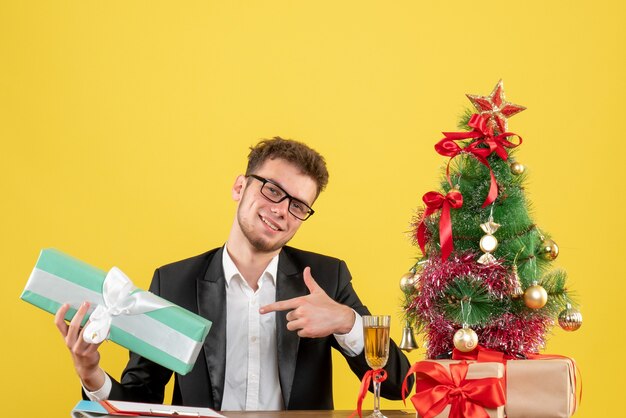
(273, 323)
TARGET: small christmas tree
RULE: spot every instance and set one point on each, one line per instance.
(484, 277)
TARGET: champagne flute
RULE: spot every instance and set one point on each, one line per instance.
(376, 341)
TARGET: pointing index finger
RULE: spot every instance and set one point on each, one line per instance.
(282, 305)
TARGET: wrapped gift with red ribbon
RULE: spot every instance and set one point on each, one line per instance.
(541, 386)
(458, 389)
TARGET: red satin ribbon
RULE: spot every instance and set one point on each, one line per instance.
(436, 387)
(499, 143)
(435, 201)
(378, 376)
(482, 354)
(483, 135)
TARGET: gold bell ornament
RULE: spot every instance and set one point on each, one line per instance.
(570, 319)
(408, 342)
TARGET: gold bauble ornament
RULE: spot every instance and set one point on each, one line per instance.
(406, 282)
(570, 319)
(417, 283)
(535, 296)
(517, 168)
(465, 339)
(549, 250)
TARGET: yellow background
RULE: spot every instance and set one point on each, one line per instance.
(124, 123)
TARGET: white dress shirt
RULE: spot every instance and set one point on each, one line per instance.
(250, 342)
(251, 373)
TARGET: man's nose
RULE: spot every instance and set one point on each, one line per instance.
(281, 208)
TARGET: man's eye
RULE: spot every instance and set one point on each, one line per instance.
(299, 206)
(274, 190)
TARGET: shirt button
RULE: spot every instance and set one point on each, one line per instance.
(253, 339)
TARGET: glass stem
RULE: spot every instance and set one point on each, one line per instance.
(376, 396)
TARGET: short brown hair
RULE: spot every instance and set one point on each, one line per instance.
(304, 157)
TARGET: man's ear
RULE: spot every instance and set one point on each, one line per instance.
(238, 187)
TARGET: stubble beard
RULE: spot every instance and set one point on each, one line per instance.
(257, 241)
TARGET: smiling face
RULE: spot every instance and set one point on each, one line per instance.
(268, 226)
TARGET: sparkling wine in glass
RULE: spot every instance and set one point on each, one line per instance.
(376, 341)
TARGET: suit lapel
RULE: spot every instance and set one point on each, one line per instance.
(289, 284)
(212, 305)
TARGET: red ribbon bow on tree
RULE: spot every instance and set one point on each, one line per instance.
(483, 135)
(379, 376)
(435, 201)
(435, 388)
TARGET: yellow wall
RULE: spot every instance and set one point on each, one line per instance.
(124, 123)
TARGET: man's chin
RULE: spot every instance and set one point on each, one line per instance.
(265, 246)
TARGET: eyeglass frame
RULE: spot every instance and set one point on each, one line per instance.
(264, 181)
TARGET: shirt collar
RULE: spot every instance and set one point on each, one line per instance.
(231, 270)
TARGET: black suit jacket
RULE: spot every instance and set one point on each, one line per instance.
(305, 369)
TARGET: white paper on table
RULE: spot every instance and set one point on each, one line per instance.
(164, 410)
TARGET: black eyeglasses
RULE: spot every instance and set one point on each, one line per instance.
(274, 193)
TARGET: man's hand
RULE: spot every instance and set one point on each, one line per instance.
(85, 356)
(315, 315)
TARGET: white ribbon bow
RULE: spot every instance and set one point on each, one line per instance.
(120, 298)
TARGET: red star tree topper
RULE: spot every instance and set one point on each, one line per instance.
(495, 107)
